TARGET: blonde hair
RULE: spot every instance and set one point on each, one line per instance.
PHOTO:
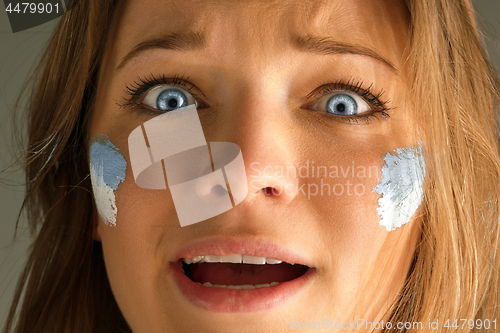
(456, 93)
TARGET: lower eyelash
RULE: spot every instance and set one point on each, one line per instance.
(364, 119)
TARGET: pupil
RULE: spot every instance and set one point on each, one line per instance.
(172, 103)
(341, 107)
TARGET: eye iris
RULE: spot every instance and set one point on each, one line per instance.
(171, 99)
(342, 104)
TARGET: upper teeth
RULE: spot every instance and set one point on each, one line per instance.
(233, 258)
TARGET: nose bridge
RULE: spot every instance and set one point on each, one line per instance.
(257, 119)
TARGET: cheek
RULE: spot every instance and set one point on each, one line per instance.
(340, 189)
(135, 250)
(367, 191)
(360, 199)
(133, 218)
(143, 210)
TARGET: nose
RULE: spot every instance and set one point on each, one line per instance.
(270, 180)
(258, 121)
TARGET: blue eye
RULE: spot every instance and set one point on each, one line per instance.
(168, 98)
(342, 104)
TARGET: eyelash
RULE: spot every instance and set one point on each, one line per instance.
(142, 85)
(380, 107)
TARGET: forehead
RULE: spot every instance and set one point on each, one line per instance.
(264, 27)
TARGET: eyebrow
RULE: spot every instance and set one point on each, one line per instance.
(326, 46)
(196, 41)
(172, 41)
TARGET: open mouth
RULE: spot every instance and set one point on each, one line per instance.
(222, 274)
(238, 271)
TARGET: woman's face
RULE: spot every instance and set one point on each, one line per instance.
(318, 87)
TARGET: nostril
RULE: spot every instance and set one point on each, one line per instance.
(282, 190)
(269, 191)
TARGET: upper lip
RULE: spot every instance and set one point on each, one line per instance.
(222, 246)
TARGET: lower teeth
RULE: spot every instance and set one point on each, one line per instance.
(245, 286)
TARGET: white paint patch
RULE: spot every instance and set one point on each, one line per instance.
(104, 196)
(107, 171)
(401, 187)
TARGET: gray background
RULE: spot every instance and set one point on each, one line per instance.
(18, 54)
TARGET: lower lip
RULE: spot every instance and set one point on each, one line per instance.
(235, 300)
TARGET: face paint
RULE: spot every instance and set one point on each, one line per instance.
(107, 171)
(401, 186)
